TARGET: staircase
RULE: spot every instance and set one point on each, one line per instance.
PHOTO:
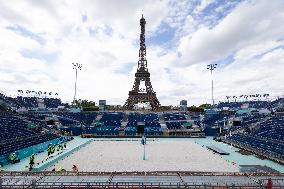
(99, 117)
(163, 125)
(161, 118)
(40, 102)
(123, 125)
(125, 118)
(121, 129)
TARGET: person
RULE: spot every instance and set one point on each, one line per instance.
(52, 149)
(49, 150)
(75, 168)
(269, 184)
(61, 169)
(32, 162)
(13, 158)
(1, 165)
(57, 147)
(61, 147)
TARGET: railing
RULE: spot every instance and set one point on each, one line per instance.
(142, 180)
(116, 185)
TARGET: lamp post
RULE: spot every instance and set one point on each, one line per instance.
(211, 67)
(228, 97)
(76, 67)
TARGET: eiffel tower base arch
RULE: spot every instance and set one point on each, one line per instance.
(134, 99)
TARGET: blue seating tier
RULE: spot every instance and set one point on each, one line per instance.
(266, 138)
(15, 134)
(174, 120)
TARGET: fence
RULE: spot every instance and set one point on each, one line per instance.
(138, 180)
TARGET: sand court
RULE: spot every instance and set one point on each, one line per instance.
(161, 155)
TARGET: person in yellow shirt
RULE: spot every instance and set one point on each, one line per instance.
(32, 162)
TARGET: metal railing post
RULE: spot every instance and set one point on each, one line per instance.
(33, 183)
(260, 185)
(178, 186)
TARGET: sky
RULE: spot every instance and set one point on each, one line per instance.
(39, 40)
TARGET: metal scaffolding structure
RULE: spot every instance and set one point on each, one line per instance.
(137, 95)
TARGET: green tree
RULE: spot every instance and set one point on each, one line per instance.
(195, 109)
(86, 105)
(205, 106)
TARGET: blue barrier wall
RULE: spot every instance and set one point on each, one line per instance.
(58, 157)
(23, 153)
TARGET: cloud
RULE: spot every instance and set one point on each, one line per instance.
(203, 4)
(26, 33)
(39, 44)
(249, 23)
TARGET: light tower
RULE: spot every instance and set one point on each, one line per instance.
(76, 67)
(211, 67)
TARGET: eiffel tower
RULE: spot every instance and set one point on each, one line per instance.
(146, 95)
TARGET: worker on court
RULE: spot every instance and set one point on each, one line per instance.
(49, 150)
(75, 168)
(32, 162)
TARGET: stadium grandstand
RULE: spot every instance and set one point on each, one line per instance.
(31, 102)
(29, 125)
(264, 138)
(232, 143)
(19, 136)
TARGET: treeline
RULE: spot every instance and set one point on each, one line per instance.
(198, 108)
(86, 105)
